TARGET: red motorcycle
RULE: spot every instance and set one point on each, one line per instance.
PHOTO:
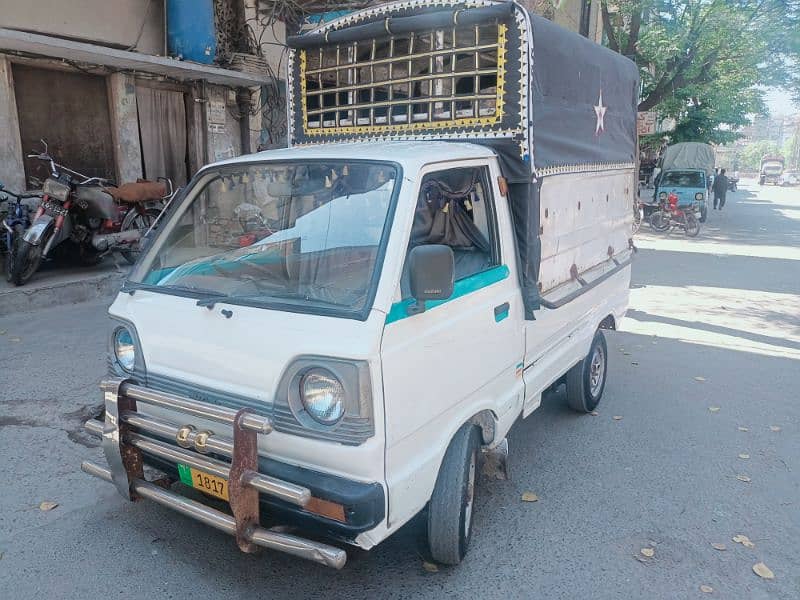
(92, 216)
(670, 215)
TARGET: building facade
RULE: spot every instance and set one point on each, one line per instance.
(129, 89)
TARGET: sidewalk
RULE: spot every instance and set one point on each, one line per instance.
(60, 285)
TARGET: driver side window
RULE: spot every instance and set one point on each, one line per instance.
(455, 207)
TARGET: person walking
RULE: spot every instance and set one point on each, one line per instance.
(720, 188)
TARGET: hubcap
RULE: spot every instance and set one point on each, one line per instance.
(596, 371)
(470, 496)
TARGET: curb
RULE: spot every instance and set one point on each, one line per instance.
(23, 299)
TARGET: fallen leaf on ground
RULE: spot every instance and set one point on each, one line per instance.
(430, 567)
(763, 571)
(706, 589)
(774, 428)
(529, 497)
(648, 552)
(743, 540)
(744, 478)
(742, 429)
(47, 505)
(617, 417)
(699, 378)
(594, 413)
(744, 456)
(718, 546)
(713, 408)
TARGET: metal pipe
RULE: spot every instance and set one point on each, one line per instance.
(97, 471)
(437, 99)
(213, 443)
(290, 544)
(283, 542)
(403, 80)
(256, 423)
(284, 490)
(94, 427)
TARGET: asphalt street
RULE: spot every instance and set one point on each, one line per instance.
(703, 377)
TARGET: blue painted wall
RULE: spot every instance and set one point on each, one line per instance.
(191, 33)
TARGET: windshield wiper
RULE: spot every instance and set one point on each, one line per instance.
(131, 286)
(263, 299)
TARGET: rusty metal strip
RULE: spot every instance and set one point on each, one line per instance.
(244, 498)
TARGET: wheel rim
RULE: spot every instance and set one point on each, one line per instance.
(470, 496)
(597, 371)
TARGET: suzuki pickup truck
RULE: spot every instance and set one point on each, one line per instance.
(332, 336)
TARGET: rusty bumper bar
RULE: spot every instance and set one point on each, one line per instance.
(125, 437)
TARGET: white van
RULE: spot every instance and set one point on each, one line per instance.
(330, 335)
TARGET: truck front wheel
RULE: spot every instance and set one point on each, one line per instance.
(450, 507)
(587, 380)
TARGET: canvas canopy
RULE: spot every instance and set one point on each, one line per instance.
(547, 100)
(689, 155)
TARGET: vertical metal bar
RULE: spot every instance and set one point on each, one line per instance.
(453, 76)
(336, 94)
(477, 85)
(430, 81)
(391, 77)
(410, 79)
(244, 498)
(372, 80)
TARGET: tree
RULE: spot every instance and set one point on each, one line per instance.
(750, 157)
(701, 60)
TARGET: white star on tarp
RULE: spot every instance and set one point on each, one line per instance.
(600, 112)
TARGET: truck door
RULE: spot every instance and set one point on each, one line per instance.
(462, 355)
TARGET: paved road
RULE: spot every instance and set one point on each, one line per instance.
(714, 323)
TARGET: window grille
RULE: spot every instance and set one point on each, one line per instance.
(403, 83)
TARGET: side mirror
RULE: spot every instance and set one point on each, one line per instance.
(431, 270)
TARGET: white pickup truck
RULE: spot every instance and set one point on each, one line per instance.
(332, 335)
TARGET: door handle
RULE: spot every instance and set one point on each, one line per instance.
(501, 312)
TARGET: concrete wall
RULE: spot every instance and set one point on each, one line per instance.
(12, 172)
(111, 22)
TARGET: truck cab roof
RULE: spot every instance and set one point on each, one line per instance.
(411, 155)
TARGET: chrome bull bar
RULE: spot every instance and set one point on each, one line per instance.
(124, 440)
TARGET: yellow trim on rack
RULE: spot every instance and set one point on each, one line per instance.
(469, 122)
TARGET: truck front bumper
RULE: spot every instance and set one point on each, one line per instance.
(257, 486)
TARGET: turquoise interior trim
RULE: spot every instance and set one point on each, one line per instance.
(501, 316)
(462, 287)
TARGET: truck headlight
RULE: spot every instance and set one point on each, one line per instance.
(124, 348)
(322, 395)
(698, 196)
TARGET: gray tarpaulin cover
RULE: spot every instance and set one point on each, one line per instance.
(689, 155)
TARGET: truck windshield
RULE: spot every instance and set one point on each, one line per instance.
(305, 235)
(692, 179)
(773, 167)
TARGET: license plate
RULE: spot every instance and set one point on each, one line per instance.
(205, 482)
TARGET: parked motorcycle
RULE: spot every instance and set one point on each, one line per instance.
(16, 221)
(93, 216)
(670, 215)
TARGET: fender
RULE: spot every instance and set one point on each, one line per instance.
(36, 232)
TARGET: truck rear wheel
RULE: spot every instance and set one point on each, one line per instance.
(587, 380)
(450, 507)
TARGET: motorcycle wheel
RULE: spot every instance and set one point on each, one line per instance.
(25, 260)
(659, 221)
(691, 225)
(703, 214)
(142, 222)
(637, 219)
(16, 234)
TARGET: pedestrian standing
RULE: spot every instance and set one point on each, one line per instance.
(720, 189)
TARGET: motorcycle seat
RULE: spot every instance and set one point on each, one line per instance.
(141, 191)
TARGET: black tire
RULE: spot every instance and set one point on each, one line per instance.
(453, 499)
(135, 220)
(16, 236)
(26, 260)
(659, 221)
(587, 380)
(691, 226)
(703, 214)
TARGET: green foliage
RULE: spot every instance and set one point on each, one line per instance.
(750, 156)
(702, 60)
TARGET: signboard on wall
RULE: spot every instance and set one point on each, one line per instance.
(646, 123)
(216, 111)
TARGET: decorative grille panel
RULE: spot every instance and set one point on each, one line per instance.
(403, 83)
